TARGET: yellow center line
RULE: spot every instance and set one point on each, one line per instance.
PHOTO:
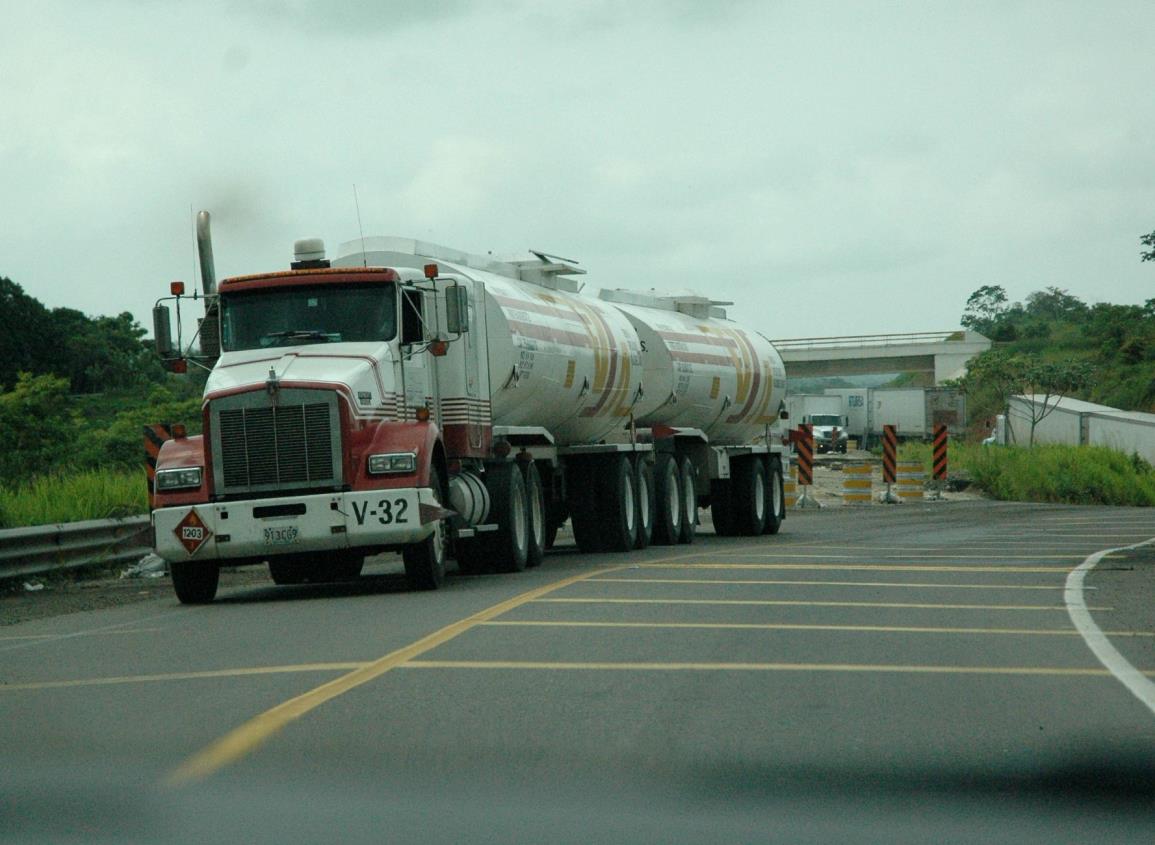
(1055, 671)
(777, 626)
(182, 676)
(789, 603)
(857, 567)
(805, 583)
(245, 738)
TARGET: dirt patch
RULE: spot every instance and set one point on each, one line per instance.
(829, 475)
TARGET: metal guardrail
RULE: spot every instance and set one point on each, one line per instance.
(48, 548)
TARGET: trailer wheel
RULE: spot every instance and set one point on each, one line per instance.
(644, 488)
(618, 505)
(583, 507)
(776, 512)
(749, 492)
(509, 545)
(689, 501)
(722, 507)
(425, 560)
(667, 500)
(195, 582)
(535, 503)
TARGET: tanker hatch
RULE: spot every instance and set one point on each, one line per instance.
(309, 254)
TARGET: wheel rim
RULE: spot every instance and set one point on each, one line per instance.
(537, 514)
(776, 493)
(759, 496)
(673, 503)
(690, 497)
(517, 526)
(628, 502)
(644, 515)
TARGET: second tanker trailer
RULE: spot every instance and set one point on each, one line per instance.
(416, 398)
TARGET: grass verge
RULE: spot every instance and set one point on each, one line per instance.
(1077, 475)
(73, 497)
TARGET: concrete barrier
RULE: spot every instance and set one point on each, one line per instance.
(909, 481)
(856, 484)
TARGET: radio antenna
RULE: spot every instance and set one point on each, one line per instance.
(357, 205)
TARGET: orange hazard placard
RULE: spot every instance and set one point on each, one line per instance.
(191, 532)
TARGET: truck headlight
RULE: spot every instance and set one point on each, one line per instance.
(185, 478)
(392, 462)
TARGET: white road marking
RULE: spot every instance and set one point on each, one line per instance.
(1133, 679)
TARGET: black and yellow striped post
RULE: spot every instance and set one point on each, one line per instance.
(938, 459)
(804, 447)
(889, 462)
(154, 437)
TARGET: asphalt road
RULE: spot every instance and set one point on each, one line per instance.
(886, 674)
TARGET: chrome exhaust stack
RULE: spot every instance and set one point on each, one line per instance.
(209, 328)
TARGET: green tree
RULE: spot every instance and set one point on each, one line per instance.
(984, 309)
(24, 341)
(39, 430)
(1148, 241)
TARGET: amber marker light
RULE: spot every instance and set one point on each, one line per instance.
(176, 288)
(431, 271)
(438, 348)
(422, 415)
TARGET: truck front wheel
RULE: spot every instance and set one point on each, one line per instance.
(425, 561)
(195, 582)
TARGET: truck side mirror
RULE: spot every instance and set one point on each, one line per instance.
(162, 330)
(457, 309)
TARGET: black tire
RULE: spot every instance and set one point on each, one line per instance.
(535, 506)
(472, 556)
(316, 567)
(509, 545)
(688, 485)
(644, 495)
(425, 561)
(195, 582)
(343, 566)
(776, 512)
(618, 505)
(749, 496)
(722, 507)
(584, 513)
(667, 501)
(287, 570)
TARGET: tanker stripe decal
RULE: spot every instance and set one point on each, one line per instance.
(547, 310)
(756, 381)
(562, 337)
(704, 339)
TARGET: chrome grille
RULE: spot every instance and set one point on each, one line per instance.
(260, 446)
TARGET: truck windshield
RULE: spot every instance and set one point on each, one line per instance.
(825, 419)
(292, 316)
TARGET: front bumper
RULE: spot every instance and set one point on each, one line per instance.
(262, 528)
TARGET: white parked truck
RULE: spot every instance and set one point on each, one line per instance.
(414, 398)
(825, 413)
(914, 410)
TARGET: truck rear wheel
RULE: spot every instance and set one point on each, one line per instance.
(749, 493)
(509, 545)
(195, 582)
(583, 507)
(618, 505)
(667, 500)
(425, 561)
(722, 507)
(689, 501)
(776, 512)
(535, 503)
(644, 489)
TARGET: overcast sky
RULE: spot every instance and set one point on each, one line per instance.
(833, 168)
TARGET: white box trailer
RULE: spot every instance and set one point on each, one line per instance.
(915, 411)
(825, 413)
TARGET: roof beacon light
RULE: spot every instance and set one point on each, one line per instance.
(431, 271)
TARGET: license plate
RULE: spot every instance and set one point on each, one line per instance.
(283, 536)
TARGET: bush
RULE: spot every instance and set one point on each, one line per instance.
(1079, 475)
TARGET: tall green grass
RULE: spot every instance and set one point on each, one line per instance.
(73, 497)
(1079, 475)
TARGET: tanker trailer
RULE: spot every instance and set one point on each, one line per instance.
(418, 399)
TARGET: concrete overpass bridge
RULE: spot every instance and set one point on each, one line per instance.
(941, 354)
